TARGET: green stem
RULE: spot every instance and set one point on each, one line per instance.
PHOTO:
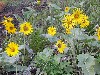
(16, 66)
(24, 45)
(6, 35)
(73, 51)
(23, 56)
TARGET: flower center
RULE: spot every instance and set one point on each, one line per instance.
(59, 45)
(66, 9)
(52, 30)
(83, 21)
(76, 15)
(11, 28)
(12, 49)
(25, 28)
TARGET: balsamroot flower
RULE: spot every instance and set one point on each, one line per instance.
(98, 33)
(12, 49)
(26, 28)
(61, 46)
(68, 23)
(10, 28)
(77, 14)
(7, 20)
(84, 21)
(51, 31)
(67, 9)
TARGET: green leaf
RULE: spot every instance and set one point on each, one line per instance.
(78, 34)
(94, 43)
(88, 71)
(86, 62)
(57, 59)
(8, 59)
(97, 68)
(18, 18)
(54, 6)
(28, 15)
(50, 38)
(85, 59)
(13, 68)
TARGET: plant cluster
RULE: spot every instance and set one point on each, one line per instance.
(51, 41)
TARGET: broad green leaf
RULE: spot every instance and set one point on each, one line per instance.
(54, 6)
(97, 68)
(18, 18)
(50, 38)
(86, 62)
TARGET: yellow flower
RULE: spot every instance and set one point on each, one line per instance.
(68, 31)
(67, 9)
(77, 14)
(98, 33)
(83, 16)
(38, 1)
(61, 46)
(51, 31)
(84, 23)
(12, 49)
(7, 20)
(26, 28)
(10, 28)
(68, 22)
